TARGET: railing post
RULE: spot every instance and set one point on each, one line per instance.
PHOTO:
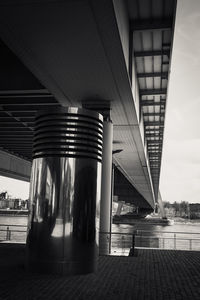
(190, 244)
(133, 242)
(123, 244)
(174, 241)
(8, 234)
(163, 243)
(132, 250)
(110, 243)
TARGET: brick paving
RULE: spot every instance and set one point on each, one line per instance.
(150, 275)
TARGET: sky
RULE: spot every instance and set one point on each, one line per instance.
(15, 188)
(180, 172)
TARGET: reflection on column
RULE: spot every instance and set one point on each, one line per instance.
(65, 192)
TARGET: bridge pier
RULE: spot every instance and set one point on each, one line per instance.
(65, 192)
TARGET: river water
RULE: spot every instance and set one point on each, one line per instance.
(13, 228)
(181, 236)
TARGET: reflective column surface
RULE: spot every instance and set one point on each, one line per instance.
(64, 217)
(106, 189)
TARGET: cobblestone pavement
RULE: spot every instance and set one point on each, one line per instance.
(151, 274)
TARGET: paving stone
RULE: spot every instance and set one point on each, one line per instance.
(152, 275)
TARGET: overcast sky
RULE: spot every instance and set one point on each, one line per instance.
(180, 175)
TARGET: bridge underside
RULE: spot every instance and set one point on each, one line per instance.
(14, 167)
(126, 193)
(61, 53)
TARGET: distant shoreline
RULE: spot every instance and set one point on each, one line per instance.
(178, 220)
(156, 221)
(13, 212)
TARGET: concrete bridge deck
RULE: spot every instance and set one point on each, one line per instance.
(152, 274)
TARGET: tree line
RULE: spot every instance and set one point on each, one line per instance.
(177, 209)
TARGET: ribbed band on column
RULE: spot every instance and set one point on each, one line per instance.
(68, 132)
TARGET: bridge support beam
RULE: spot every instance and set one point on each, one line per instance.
(14, 167)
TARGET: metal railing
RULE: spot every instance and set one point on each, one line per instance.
(168, 240)
(120, 243)
(117, 243)
(13, 233)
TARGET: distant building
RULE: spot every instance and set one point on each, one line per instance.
(3, 204)
(3, 195)
(7, 202)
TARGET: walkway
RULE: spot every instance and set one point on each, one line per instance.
(152, 274)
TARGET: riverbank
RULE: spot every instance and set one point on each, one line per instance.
(154, 221)
(14, 212)
(178, 220)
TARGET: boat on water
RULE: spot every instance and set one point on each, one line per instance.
(132, 219)
(158, 219)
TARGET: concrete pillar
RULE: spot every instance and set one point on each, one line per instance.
(160, 205)
(106, 188)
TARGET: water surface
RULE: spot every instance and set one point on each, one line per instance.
(181, 236)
